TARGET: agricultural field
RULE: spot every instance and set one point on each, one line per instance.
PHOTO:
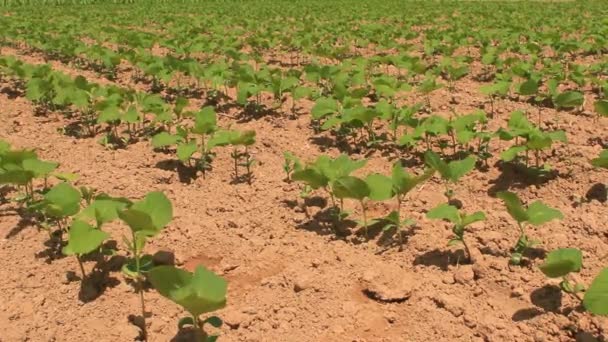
(339, 170)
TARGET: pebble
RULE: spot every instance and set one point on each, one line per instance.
(464, 275)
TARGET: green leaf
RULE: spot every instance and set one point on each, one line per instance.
(186, 150)
(62, 200)
(602, 160)
(444, 212)
(527, 88)
(102, 211)
(164, 139)
(562, 261)
(350, 187)
(514, 206)
(601, 107)
(149, 215)
(512, 152)
(205, 121)
(323, 107)
(569, 99)
(38, 167)
(83, 238)
(380, 186)
(474, 217)
(539, 213)
(403, 182)
(197, 293)
(596, 296)
(312, 177)
(459, 168)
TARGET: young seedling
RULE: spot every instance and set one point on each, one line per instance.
(535, 140)
(450, 172)
(198, 293)
(601, 160)
(241, 158)
(145, 218)
(291, 164)
(460, 221)
(83, 239)
(535, 214)
(354, 188)
(560, 263)
(323, 173)
(398, 186)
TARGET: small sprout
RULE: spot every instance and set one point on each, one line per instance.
(198, 293)
(535, 214)
(83, 239)
(460, 221)
(146, 218)
(450, 172)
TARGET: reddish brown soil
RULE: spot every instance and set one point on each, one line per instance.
(290, 279)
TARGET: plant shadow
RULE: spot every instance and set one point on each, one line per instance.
(441, 259)
(545, 299)
(185, 174)
(53, 248)
(517, 176)
(597, 192)
(324, 223)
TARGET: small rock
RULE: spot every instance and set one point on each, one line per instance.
(540, 336)
(388, 285)
(452, 305)
(234, 319)
(303, 282)
(517, 292)
(464, 275)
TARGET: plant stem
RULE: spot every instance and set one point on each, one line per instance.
(84, 275)
(364, 217)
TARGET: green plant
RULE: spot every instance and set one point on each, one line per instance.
(450, 172)
(534, 139)
(535, 214)
(146, 218)
(83, 239)
(198, 293)
(398, 185)
(460, 222)
(561, 262)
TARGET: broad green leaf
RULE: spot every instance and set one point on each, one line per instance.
(527, 88)
(569, 99)
(514, 206)
(539, 213)
(38, 167)
(512, 152)
(205, 121)
(601, 107)
(444, 212)
(350, 187)
(596, 296)
(186, 150)
(474, 217)
(602, 160)
(380, 186)
(459, 168)
(83, 238)
(62, 200)
(312, 177)
(323, 107)
(102, 211)
(164, 139)
(562, 261)
(197, 293)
